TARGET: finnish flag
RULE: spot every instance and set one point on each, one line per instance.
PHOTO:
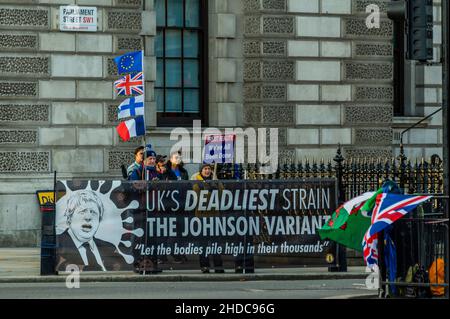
(134, 106)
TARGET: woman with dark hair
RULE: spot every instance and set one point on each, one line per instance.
(161, 168)
(176, 172)
(175, 169)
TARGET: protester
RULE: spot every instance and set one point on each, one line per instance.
(150, 164)
(205, 174)
(147, 171)
(134, 173)
(176, 172)
(161, 171)
(175, 168)
(161, 167)
(137, 165)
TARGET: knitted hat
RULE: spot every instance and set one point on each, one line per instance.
(149, 150)
(202, 166)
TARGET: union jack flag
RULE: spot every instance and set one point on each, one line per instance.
(130, 84)
(388, 209)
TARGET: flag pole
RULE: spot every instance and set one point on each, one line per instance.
(144, 139)
(215, 171)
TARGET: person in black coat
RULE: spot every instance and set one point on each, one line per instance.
(175, 169)
(176, 172)
(77, 245)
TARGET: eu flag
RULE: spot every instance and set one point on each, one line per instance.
(130, 62)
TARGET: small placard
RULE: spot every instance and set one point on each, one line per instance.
(46, 200)
(219, 149)
(75, 18)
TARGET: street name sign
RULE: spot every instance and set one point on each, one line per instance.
(75, 18)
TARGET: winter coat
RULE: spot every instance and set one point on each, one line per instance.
(197, 188)
(171, 174)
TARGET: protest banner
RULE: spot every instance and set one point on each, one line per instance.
(123, 221)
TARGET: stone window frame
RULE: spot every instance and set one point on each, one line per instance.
(186, 119)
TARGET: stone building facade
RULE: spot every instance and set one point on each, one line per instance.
(311, 68)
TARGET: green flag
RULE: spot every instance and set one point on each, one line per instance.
(366, 209)
(348, 223)
(388, 186)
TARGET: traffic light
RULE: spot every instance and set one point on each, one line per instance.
(419, 28)
(418, 15)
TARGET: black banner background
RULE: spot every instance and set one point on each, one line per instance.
(270, 221)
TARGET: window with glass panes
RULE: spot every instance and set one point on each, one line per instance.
(180, 64)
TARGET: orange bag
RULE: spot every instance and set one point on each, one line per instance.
(436, 274)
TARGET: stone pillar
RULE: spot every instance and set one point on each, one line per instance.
(225, 63)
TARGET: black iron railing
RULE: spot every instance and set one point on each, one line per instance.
(355, 175)
(421, 243)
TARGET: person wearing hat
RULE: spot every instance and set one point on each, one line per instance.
(150, 164)
(147, 263)
(205, 174)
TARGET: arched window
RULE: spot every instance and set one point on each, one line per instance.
(180, 47)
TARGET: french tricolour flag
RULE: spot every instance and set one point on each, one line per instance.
(131, 128)
(133, 106)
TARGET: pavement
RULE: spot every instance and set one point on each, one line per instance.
(237, 290)
(22, 265)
